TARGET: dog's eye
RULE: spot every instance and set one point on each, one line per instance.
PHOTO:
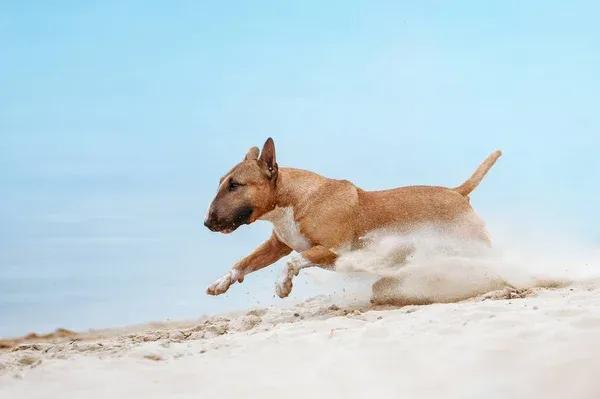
(233, 185)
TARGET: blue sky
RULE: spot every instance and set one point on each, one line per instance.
(117, 119)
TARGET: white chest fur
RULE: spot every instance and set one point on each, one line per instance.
(286, 228)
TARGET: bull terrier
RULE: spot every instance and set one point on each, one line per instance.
(319, 217)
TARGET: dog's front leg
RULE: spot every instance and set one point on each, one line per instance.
(315, 256)
(267, 253)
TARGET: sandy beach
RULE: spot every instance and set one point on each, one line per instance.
(507, 343)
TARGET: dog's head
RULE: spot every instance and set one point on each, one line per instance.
(246, 192)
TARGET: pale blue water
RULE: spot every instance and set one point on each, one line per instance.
(150, 260)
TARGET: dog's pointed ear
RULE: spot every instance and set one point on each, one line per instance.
(267, 155)
(251, 154)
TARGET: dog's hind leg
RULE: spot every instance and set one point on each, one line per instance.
(315, 256)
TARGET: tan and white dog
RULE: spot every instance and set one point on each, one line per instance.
(317, 217)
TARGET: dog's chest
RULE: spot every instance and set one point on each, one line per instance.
(286, 228)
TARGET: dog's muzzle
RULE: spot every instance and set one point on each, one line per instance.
(241, 217)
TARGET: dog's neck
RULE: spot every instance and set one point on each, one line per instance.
(293, 186)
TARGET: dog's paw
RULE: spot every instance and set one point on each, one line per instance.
(284, 286)
(220, 286)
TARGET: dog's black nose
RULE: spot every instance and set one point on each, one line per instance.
(209, 223)
(213, 223)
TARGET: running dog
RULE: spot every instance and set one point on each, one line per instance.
(318, 217)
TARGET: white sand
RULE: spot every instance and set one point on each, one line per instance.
(545, 345)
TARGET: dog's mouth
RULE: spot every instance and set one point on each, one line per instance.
(228, 230)
(225, 229)
(243, 216)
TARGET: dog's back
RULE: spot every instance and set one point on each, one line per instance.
(409, 208)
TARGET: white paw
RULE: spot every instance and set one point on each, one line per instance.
(284, 286)
(220, 286)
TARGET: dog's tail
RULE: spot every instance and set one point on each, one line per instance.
(468, 186)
